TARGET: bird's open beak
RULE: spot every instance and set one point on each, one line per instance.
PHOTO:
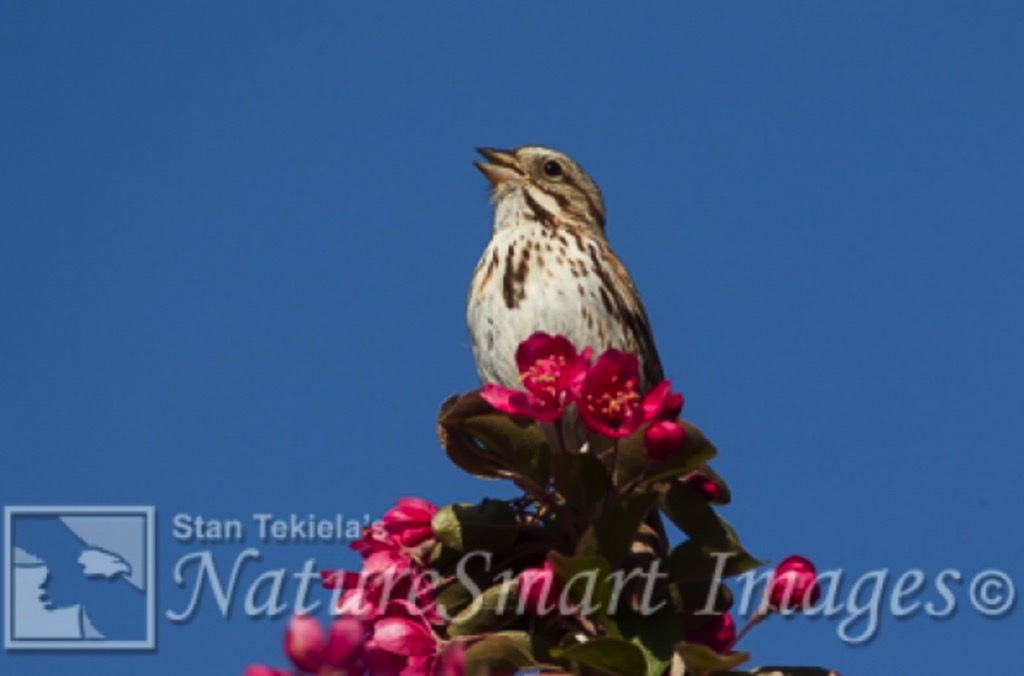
(500, 166)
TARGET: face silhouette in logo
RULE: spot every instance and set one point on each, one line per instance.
(81, 590)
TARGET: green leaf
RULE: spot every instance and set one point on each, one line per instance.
(608, 655)
(462, 449)
(693, 595)
(612, 535)
(655, 634)
(456, 594)
(633, 460)
(495, 609)
(588, 481)
(693, 515)
(490, 526)
(713, 543)
(691, 561)
(457, 408)
(515, 443)
(700, 659)
(502, 652)
(724, 494)
(586, 580)
(452, 598)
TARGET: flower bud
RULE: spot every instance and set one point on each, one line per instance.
(794, 585)
(345, 642)
(304, 642)
(664, 439)
(409, 522)
(703, 485)
(673, 405)
(718, 633)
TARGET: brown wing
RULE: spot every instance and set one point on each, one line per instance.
(626, 305)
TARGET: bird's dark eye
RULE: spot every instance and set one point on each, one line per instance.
(552, 169)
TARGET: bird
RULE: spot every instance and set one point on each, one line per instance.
(549, 267)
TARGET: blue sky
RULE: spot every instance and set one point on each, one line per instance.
(237, 241)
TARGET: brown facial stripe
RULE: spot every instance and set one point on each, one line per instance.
(595, 213)
(544, 216)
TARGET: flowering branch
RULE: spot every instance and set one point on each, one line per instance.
(577, 575)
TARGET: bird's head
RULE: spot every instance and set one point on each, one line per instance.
(548, 180)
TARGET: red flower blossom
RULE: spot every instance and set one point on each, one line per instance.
(794, 585)
(609, 402)
(385, 577)
(402, 639)
(344, 643)
(539, 590)
(304, 642)
(375, 538)
(452, 661)
(549, 368)
(663, 439)
(359, 603)
(409, 522)
(717, 633)
(661, 403)
(339, 579)
(310, 650)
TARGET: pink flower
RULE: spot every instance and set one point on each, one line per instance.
(345, 642)
(375, 539)
(549, 368)
(453, 659)
(380, 662)
(366, 592)
(260, 670)
(717, 633)
(661, 403)
(539, 590)
(794, 585)
(304, 642)
(386, 576)
(339, 579)
(609, 401)
(403, 636)
(672, 406)
(401, 640)
(663, 439)
(382, 567)
(359, 603)
(409, 522)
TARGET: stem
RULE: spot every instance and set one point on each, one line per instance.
(760, 615)
(561, 435)
(615, 464)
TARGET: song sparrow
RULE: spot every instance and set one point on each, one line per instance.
(548, 267)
